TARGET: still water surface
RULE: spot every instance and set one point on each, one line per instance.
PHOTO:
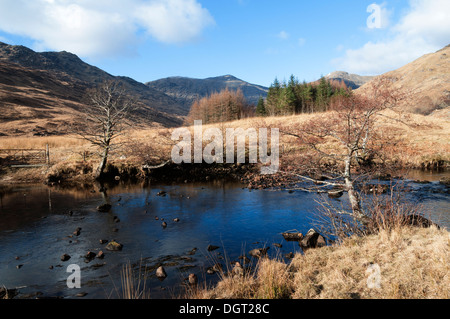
(36, 229)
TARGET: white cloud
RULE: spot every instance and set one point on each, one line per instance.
(283, 35)
(301, 42)
(103, 27)
(423, 29)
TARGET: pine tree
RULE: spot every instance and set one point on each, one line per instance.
(260, 107)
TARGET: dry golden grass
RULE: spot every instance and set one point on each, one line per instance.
(414, 264)
(420, 140)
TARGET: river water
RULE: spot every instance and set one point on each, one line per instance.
(37, 226)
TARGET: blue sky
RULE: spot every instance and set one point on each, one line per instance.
(255, 40)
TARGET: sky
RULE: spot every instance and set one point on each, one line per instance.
(254, 40)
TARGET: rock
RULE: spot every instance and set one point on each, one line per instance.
(90, 255)
(295, 236)
(335, 194)
(164, 224)
(420, 221)
(103, 241)
(289, 255)
(259, 252)
(8, 293)
(238, 270)
(116, 219)
(65, 257)
(114, 246)
(216, 268)
(192, 252)
(101, 255)
(161, 273)
(176, 220)
(77, 231)
(105, 208)
(313, 240)
(193, 280)
(162, 194)
(212, 247)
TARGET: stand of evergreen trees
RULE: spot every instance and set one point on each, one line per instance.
(296, 97)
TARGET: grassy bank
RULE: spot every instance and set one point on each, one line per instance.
(414, 263)
(420, 142)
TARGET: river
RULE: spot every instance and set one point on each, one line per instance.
(37, 225)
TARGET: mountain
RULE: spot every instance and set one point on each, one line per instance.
(427, 79)
(186, 90)
(353, 81)
(42, 89)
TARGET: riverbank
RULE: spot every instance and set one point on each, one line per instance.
(417, 142)
(404, 263)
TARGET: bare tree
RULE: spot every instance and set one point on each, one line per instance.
(106, 111)
(352, 128)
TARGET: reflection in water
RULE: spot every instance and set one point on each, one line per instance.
(37, 226)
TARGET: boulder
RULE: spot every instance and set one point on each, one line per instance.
(238, 270)
(90, 255)
(335, 194)
(65, 257)
(212, 247)
(420, 221)
(105, 208)
(259, 252)
(193, 280)
(161, 273)
(313, 240)
(114, 246)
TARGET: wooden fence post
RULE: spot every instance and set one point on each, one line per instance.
(47, 154)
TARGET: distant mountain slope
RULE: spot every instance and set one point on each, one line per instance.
(62, 79)
(427, 78)
(353, 81)
(187, 90)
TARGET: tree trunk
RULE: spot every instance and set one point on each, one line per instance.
(101, 167)
(353, 196)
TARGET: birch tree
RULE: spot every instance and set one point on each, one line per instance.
(352, 128)
(106, 111)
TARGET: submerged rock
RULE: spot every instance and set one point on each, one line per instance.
(65, 257)
(105, 208)
(212, 247)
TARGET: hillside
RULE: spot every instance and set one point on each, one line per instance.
(427, 79)
(186, 90)
(353, 81)
(42, 90)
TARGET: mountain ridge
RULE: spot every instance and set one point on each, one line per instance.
(427, 79)
(186, 89)
(56, 72)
